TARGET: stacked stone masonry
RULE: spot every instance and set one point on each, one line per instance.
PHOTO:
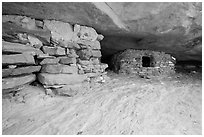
(60, 56)
(144, 63)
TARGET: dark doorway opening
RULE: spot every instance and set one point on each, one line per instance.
(146, 61)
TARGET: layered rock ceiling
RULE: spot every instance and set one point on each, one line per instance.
(175, 28)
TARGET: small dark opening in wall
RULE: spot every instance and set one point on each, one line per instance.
(146, 61)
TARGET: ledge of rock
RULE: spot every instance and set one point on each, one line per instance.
(171, 27)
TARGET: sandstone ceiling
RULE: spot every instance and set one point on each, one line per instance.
(175, 28)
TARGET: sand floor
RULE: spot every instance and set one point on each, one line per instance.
(122, 105)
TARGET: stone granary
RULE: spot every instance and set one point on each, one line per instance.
(143, 62)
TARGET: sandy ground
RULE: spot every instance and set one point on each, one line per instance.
(123, 105)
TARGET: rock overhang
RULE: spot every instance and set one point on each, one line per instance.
(175, 28)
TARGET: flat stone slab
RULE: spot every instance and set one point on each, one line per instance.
(8, 83)
(54, 50)
(68, 44)
(25, 58)
(84, 62)
(89, 44)
(8, 47)
(67, 60)
(43, 56)
(49, 61)
(96, 53)
(59, 79)
(59, 68)
(20, 71)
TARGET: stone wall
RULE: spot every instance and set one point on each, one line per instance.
(131, 62)
(62, 57)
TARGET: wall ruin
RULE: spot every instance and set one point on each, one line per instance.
(62, 57)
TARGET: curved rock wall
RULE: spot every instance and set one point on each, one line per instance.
(62, 57)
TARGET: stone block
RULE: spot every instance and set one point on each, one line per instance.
(35, 42)
(49, 61)
(67, 60)
(96, 53)
(20, 70)
(84, 62)
(100, 37)
(59, 68)
(59, 30)
(57, 51)
(43, 56)
(68, 44)
(18, 59)
(89, 44)
(95, 61)
(28, 23)
(39, 23)
(94, 68)
(59, 79)
(104, 66)
(86, 33)
(84, 54)
(72, 53)
(8, 83)
(8, 47)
